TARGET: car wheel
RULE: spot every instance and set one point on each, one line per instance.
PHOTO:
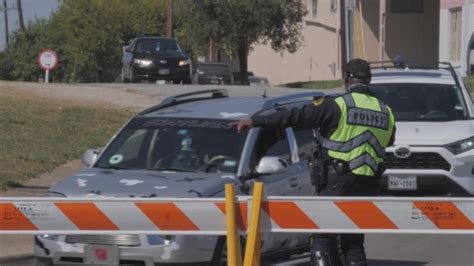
(219, 258)
(132, 77)
(124, 79)
(186, 81)
(39, 262)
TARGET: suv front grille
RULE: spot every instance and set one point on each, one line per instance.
(118, 240)
(418, 160)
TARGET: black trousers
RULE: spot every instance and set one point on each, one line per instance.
(352, 245)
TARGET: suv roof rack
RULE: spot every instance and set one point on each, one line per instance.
(183, 98)
(407, 65)
(402, 65)
(290, 97)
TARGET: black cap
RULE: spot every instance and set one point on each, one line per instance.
(358, 68)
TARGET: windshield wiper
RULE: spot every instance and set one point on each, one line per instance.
(115, 168)
(175, 169)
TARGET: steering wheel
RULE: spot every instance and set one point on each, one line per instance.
(434, 113)
(213, 161)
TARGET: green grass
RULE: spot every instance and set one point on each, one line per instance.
(469, 82)
(39, 134)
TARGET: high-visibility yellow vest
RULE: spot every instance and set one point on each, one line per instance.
(363, 133)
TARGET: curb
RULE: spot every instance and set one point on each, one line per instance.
(11, 258)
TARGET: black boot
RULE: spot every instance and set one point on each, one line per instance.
(357, 263)
(319, 258)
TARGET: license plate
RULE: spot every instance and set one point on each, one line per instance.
(101, 255)
(164, 71)
(402, 183)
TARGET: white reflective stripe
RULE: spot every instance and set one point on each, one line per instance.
(467, 209)
(349, 100)
(405, 216)
(363, 159)
(205, 215)
(326, 215)
(383, 107)
(45, 216)
(366, 137)
(126, 215)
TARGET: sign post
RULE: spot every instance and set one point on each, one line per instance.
(47, 60)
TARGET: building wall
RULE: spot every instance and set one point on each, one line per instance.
(414, 36)
(366, 28)
(318, 58)
(467, 30)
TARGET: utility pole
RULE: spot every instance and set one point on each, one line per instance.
(169, 20)
(5, 13)
(20, 15)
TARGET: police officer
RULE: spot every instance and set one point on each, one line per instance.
(354, 129)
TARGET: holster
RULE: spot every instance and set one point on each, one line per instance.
(318, 169)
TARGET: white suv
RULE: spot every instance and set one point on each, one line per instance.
(434, 148)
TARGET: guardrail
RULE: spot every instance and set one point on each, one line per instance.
(237, 215)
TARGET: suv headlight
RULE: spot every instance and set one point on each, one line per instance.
(142, 62)
(461, 146)
(184, 62)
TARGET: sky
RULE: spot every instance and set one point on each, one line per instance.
(32, 9)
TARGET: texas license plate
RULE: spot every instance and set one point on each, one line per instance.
(402, 182)
(101, 255)
(164, 71)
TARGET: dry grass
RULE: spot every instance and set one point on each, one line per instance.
(38, 134)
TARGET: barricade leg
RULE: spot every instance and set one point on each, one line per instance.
(252, 247)
(234, 254)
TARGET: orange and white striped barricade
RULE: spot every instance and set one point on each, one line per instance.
(398, 215)
(190, 216)
(206, 216)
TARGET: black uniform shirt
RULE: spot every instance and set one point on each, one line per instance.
(323, 114)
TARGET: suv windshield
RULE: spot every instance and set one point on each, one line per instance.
(423, 102)
(191, 145)
(156, 46)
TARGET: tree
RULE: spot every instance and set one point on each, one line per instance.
(94, 32)
(88, 36)
(236, 25)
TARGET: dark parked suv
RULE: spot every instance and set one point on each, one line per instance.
(155, 58)
(212, 73)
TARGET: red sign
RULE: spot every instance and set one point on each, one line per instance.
(47, 59)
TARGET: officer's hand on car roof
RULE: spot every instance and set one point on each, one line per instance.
(243, 125)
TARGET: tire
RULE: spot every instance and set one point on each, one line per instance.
(38, 262)
(219, 258)
(124, 79)
(186, 81)
(132, 77)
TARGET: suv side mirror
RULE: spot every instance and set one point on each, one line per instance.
(90, 156)
(271, 165)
